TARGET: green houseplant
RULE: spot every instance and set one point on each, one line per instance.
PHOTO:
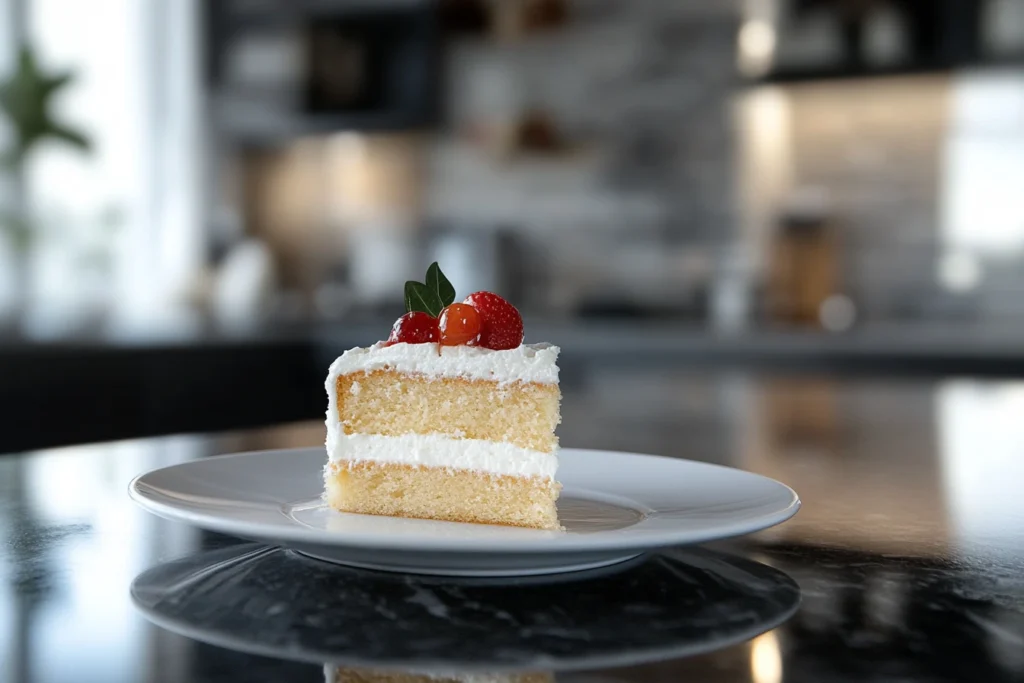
(26, 102)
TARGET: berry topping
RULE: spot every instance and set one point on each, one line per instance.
(502, 326)
(459, 324)
(415, 327)
(483, 319)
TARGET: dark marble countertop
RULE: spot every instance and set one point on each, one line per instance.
(905, 563)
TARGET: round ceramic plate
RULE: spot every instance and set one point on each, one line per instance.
(614, 506)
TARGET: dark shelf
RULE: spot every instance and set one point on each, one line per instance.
(838, 73)
(81, 391)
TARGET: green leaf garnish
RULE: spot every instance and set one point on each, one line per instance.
(430, 298)
(439, 284)
(419, 297)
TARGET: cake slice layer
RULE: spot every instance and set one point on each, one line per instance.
(393, 403)
(379, 488)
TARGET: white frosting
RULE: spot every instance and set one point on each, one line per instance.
(437, 450)
(525, 363)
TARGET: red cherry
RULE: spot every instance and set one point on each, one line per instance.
(415, 327)
(502, 325)
(459, 324)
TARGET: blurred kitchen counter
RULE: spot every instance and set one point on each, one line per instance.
(115, 386)
(892, 349)
(104, 387)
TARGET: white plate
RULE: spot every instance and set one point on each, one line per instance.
(614, 506)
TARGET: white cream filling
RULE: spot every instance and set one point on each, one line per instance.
(525, 363)
(436, 450)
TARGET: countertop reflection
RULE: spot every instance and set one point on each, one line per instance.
(908, 551)
(281, 603)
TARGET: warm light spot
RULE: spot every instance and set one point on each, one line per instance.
(756, 46)
(765, 659)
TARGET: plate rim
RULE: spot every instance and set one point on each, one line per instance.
(629, 538)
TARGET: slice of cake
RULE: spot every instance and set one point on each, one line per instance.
(340, 674)
(453, 418)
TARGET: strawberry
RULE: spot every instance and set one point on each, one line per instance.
(501, 324)
(414, 328)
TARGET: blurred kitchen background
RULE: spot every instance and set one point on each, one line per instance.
(199, 195)
(781, 235)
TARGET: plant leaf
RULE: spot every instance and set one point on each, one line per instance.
(419, 297)
(410, 290)
(70, 136)
(439, 284)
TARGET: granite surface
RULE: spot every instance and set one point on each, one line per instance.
(908, 556)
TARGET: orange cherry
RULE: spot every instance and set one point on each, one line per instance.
(459, 324)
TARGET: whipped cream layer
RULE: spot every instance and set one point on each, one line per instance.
(525, 363)
(436, 450)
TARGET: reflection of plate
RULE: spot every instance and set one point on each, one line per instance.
(278, 603)
(342, 674)
(614, 506)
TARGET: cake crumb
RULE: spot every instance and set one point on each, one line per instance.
(355, 389)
